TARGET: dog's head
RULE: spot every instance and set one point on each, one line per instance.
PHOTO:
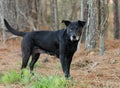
(74, 29)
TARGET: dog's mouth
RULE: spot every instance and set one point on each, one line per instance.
(74, 38)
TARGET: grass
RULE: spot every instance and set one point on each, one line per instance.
(10, 77)
(37, 81)
(50, 82)
(26, 77)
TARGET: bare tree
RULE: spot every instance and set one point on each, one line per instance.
(83, 10)
(55, 15)
(1, 22)
(116, 20)
(7, 11)
(91, 27)
(32, 14)
(83, 14)
(39, 13)
(102, 22)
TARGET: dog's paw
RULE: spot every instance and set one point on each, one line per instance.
(69, 78)
(32, 73)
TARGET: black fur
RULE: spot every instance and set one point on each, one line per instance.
(62, 43)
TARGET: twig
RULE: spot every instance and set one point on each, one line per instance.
(28, 19)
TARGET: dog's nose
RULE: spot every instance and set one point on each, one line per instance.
(74, 37)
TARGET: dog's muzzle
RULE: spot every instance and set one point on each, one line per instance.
(74, 38)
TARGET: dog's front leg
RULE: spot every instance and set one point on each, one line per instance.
(64, 64)
(68, 63)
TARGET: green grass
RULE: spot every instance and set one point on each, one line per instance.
(50, 82)
(10, 77)
(53, 81)
(26, 77)
(15, 77)
(37, 81)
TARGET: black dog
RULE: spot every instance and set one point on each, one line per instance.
(62, 43)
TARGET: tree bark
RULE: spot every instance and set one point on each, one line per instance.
(102, 22)
(55, 15)
(91, 27)
(116, 20)
(9, 13)
(1, 21)
(83, 10)
(83, 15)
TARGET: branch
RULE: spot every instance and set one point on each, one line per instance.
(28, 20)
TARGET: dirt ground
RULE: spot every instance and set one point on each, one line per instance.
(89, 68)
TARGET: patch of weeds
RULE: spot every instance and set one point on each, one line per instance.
(15, 77)
(51, 82)
(36, 81)
(10, 77)
(26, 76)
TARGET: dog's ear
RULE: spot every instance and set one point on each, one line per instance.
(81, 23)
(66, 22)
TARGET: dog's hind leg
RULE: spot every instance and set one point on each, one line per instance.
(33, 61)
(25, 58)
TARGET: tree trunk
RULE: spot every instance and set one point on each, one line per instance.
(116, 20)
(102, 22)
(39, 13)
(83, 10)
(55, 15)
(91, 27)
(1, 21)
(9, 13)
(83, 14)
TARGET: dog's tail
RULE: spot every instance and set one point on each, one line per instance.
(12, 30)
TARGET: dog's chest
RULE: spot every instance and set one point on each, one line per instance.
(71, 47)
